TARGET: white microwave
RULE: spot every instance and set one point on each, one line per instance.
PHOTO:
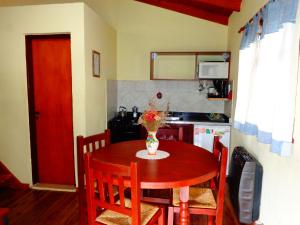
(213, 70)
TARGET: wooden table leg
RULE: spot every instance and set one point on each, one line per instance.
(184, 215)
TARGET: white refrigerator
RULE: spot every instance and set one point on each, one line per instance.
(204, 136)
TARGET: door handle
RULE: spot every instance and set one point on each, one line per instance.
(37, 115)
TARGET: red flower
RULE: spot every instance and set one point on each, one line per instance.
(150, 115)
(152, 119)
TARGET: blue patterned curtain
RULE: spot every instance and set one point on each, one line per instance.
(268, 76)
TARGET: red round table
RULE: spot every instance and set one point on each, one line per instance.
(187, 165)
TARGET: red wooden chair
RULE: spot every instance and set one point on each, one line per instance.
(202, 200)
(104, 209)
(3, 216)
(87, 144)
(155, 196)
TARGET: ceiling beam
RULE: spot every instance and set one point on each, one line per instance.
(232, 5)
(189, 10)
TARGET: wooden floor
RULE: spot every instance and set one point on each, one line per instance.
(34, 207)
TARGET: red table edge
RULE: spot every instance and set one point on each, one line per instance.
(178, 184)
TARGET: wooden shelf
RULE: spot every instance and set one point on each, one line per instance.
(183, 65)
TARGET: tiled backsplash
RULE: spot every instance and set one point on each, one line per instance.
(182, 95)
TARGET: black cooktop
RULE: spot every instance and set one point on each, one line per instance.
(123, 122)
(181, 116)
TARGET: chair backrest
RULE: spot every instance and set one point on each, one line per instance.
(89, 144)
(107, 175)
(170, 133)
(221, 153)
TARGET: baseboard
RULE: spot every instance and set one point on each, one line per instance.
(25, 186)
(54, 187)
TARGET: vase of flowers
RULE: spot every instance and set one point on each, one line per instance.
(152, 143)
(152, 119)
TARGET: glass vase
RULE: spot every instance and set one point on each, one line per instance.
(152, 143)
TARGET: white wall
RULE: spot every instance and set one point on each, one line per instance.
(88, 32)
(146, 28)
(142, 28)
(112, 98)
(15, 23)
(281, 182)
(101, 37)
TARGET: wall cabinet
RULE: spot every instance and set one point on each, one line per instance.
(173, 66)
(189, 65)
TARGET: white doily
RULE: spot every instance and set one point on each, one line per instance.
(143, 154)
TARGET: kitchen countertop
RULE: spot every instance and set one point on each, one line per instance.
(126, 128)
(198, 118)
(198, 123)
(183, 118)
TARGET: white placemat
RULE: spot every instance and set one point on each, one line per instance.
(143, 154)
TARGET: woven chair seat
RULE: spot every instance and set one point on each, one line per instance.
(115, 190)
(110, 217)
(198, 198)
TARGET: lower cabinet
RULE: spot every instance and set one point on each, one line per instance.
(124, 132)
(170, 132)
(188, 132)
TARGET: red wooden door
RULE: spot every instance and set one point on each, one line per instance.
(52, 108)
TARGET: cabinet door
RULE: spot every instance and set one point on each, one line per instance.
(188, 132)
(170, 132)
(173, 66)
(162, 134)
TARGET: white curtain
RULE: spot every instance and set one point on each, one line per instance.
(268, 76)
